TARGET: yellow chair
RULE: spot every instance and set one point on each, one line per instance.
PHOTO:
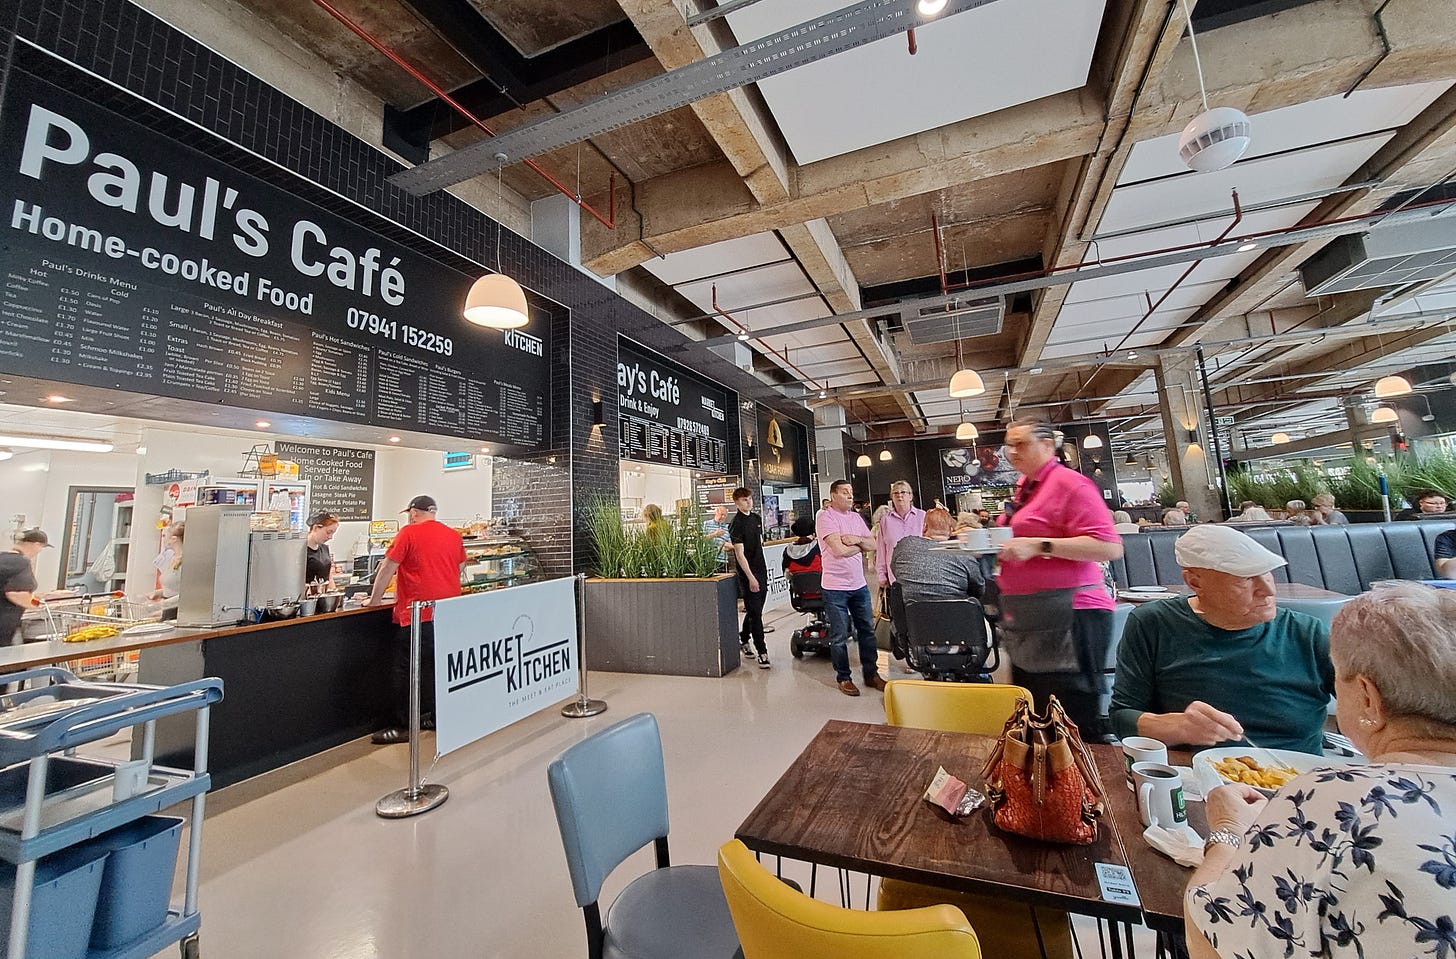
(981, 708)
(1006, 928)
(775, 921)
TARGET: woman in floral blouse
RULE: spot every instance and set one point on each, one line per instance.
(1355, 861)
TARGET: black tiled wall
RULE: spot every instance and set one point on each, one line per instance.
(127, 46)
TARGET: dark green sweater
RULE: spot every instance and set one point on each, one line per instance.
(1276, 679)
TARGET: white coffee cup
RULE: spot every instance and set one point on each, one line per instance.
(1159, 794)
(977, 539)
(1141, 749)
(999, 534)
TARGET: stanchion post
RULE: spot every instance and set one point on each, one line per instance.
(583, 706)
(416, 797)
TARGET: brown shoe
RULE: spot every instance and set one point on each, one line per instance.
(849, 688)
(875, 682)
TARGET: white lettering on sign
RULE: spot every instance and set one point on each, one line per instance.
(635, 380)
(524, 342)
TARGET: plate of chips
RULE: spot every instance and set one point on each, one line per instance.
(1267, 770)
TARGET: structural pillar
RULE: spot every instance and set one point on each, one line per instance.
(829, 442)
(1188, 434)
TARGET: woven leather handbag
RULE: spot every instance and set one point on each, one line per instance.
(1040, 778)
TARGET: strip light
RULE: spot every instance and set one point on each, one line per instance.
(56, 443)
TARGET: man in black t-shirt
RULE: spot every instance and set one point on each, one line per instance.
(745, 532)
(17, 581)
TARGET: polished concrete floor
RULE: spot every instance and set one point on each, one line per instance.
(298, 865)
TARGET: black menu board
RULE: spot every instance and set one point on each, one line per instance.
(783, 455)
(133, 262)
(341, 477)
(667, 414)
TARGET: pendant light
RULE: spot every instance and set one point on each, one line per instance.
(967, 431)
(1279, 438)
(1130, 461)
(965, 382)
(1384, 414)
(496, 301)
(863, 461)
(1092, 442)
(1394, 385)
(885, 456)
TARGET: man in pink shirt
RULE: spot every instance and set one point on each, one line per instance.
(843, 537)
(903, 519)
(1062, 532)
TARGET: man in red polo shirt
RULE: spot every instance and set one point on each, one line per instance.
(428, 556)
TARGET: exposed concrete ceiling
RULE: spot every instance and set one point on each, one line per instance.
(1353, 110)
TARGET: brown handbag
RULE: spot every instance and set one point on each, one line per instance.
(1040, 778)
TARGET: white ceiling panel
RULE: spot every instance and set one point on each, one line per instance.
(1290, 128)
(1258, 181)
(747, 288)
(821, 353)
(716, 258)
(782, 314)
(961, 71)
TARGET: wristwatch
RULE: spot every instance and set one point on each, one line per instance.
(1231, 839)
(1046, 547)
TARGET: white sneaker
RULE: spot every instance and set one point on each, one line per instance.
(763, 661)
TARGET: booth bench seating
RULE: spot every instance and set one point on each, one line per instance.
(1344, 559)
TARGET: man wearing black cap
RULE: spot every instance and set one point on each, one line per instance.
(17, 580)
(428, 556)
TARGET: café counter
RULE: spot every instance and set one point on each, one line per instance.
(291, 689)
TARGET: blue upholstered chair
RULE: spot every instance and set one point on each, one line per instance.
(1323, 609)
(610, 794)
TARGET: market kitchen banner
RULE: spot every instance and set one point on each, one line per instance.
(136, 263)
(501, 656)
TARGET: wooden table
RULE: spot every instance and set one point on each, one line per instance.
(853, 800)
(1160, 881)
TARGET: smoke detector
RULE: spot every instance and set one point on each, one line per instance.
(1215, 139)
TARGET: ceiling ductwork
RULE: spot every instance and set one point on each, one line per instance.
(1413, 253)
(960, 319)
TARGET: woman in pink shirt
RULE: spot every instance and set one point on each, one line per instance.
(1062, 531)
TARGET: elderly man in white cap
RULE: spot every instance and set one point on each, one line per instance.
(1225, 663)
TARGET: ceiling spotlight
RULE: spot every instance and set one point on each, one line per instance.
(262, 424)
(1132, 354)
(1092, 442)
(967, 431)
(929, 8)
(864, 460)
(394, 439)
(485, 449)
(141, 451)
(966, 383)
(1246, 247)
(1384, 414)
(885, 456)
(1388, 386)
(57, 398)
(1279, 438)
(743, 336)
(823, 394)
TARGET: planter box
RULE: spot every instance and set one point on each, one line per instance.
(670, 627)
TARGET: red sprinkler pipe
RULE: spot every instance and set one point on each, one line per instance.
(609, 221)
(744, 333)
(910, 36)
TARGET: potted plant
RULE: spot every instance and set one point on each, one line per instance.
(658, 602)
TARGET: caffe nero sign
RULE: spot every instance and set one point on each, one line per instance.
(135, 263)
(782, 453)
(667, 414)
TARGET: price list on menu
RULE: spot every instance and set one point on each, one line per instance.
(62, 322)
(654, 442)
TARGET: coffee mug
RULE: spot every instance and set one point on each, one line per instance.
(1159, 794)
(999, 534)
(1141, 749)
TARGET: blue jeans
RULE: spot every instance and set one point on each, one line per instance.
(840, 607)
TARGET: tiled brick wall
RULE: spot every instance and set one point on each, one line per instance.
(127, 46)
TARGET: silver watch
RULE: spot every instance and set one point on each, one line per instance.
(1228, 838)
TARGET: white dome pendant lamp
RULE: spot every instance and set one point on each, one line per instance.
(1215, 139)
(496, 301)
(965, 382)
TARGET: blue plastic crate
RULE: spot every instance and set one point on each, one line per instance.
(137, 883)
(62, 905)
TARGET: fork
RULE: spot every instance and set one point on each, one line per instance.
(1277, 762)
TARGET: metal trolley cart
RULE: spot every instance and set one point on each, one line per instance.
(51, 799)
(84, 618)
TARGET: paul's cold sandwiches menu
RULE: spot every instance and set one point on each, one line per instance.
(135, 263)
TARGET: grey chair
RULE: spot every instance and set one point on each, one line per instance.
(610, 795)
